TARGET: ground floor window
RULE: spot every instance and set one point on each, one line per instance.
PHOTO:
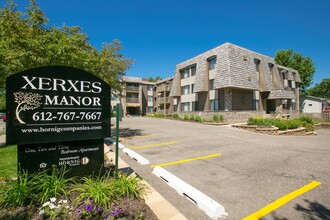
(214, 105)
(175, 108)
(150, 109)
(185, 106)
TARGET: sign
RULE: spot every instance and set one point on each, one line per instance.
(56, 103)
(79, 157)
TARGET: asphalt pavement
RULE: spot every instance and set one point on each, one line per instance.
(243, 171)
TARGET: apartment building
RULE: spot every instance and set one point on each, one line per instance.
(162, 100)
(141, 97)
(232, 78)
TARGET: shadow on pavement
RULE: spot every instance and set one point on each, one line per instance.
(314, 210)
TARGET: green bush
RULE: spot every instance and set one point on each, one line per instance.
(293, 124)
(53, 185)
(100, 188)
(176, 116)
(282, 125)
(309, 127)
(198, 118)
(258, 121)
(192, 117)
(215, 118)
(17, 192)
(221, 118)
(306, 119)
(185, 117)
(129, 186)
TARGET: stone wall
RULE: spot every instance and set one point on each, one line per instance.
(230, 116)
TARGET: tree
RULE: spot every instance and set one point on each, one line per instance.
(294, 60)
(26, 101)
(151, 79)
(27, 42)
(321, 90)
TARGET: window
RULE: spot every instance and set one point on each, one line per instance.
(193, 70)
(185, 90)
(150, 99)
(257, 64)
(175, 108)
(211, 84)
(310, 104)
(214, 105)
(212, 63)
(185, 73)
(150, 109)
(150, 88)
(185, 106)
(284, 75)
(195, 106)
(290, 83)
(192, 88)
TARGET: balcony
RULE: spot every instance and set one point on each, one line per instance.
(162, 88)
(161, 100)
(132, 100)
(132, 89)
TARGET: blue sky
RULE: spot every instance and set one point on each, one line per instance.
(158, 34)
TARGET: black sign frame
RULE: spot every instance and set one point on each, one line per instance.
(56, 103)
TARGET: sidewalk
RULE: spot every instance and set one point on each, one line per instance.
(2, 140)
(157, 203)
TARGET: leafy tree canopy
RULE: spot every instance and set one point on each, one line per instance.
(151, 79)
(321, 90)
(294, 60)
(26, 41)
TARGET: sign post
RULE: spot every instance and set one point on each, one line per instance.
(58, 116)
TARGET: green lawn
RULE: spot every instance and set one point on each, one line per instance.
(8, 162)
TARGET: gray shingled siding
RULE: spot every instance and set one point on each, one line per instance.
(235, 67)
(281, 94)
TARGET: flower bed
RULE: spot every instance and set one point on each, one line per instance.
(50, 195)
(271, 130)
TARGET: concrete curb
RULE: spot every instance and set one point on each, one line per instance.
(157, 203)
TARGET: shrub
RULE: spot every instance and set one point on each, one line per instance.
(258, 121)
(221, 118)
(198, 118)
(99, 188)
(309, 127)
(176, 116)
(53, 185)
(293, 124)
(215, 118)
(306, 119)
(282, 125)
(192, 117)
(129, 186)
(185, 117)
(17, 192)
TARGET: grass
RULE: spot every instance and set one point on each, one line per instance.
(8, 166)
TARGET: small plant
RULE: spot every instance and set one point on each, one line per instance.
(185, 117)
(129, 186)
(282, 125)
(52, 209)
(258, 121)
(53, 185)
(293, 124)
(114, 213)
(221, 118)
(88, 209)
(309, 127)
(198, 118)
(100, 188)
(215, 118)
(17, 192)
(175, 116)
(306, 119)
(192, 117)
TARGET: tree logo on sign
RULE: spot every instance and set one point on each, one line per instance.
(26, 101)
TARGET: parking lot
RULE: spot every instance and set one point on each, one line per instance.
(249, 174)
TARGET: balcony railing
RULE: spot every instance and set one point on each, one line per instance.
(132, 100)
(162, 88)
(162, 100)
(132, 89)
